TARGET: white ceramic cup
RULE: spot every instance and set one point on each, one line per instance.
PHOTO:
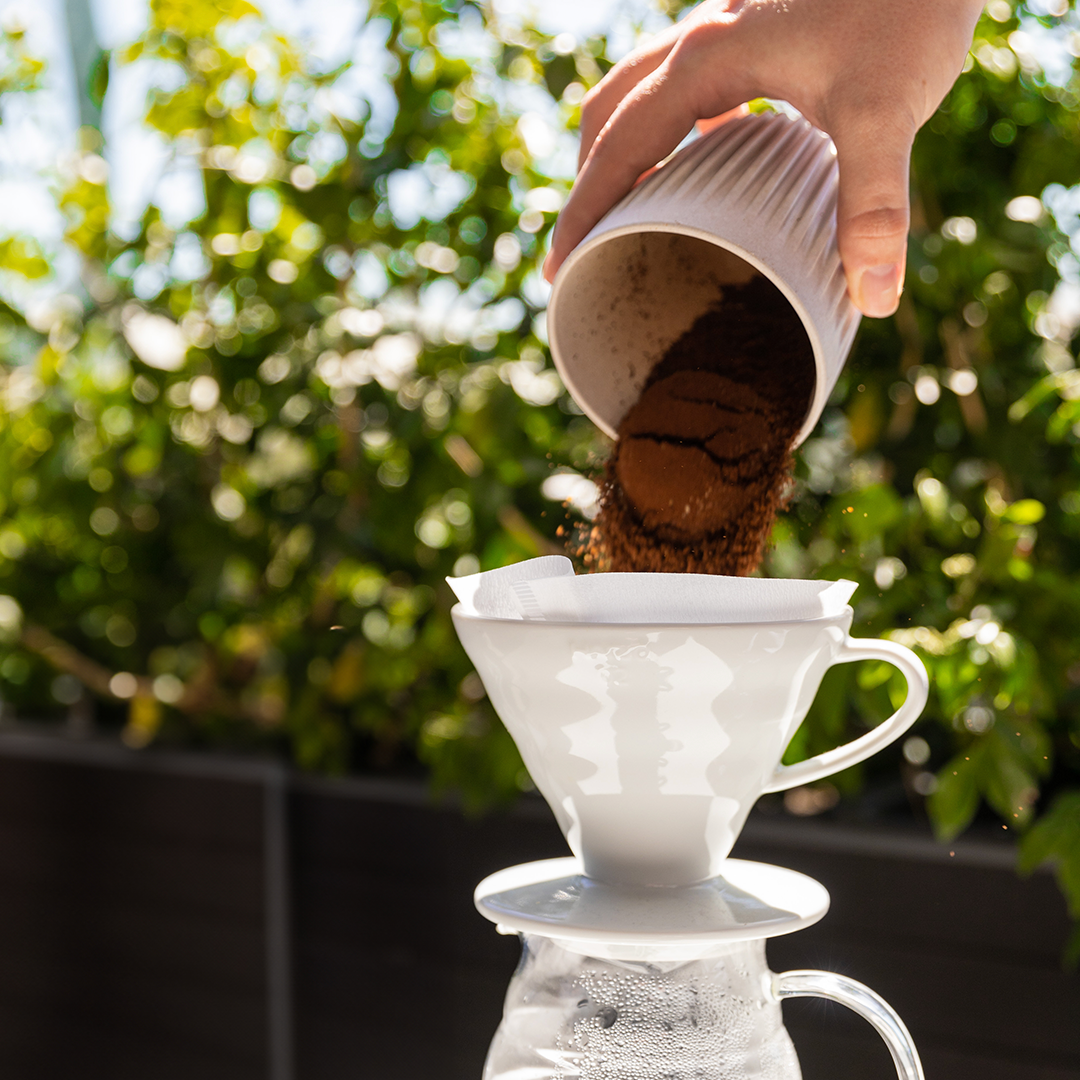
(755, 196)
(652, 742)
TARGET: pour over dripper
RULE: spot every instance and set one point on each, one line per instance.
(652, 741)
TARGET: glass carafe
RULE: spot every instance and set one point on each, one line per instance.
(569, 1016)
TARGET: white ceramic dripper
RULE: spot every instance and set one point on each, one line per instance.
(650, 739)
(755, 196)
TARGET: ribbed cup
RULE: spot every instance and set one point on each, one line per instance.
(757, 195)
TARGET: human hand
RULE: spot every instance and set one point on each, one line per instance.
(869, 74)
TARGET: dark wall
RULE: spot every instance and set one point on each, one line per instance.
(967, 953)
(131, 924)
(138, 932)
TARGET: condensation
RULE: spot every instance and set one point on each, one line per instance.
(571, 1017)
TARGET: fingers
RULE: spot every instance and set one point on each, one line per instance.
(644, 129)
(713, 122)
(874, 153)
(646, 125)
(604, 98)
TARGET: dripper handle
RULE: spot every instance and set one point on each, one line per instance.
(860, 999)
(832, 761)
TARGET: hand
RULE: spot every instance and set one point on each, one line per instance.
(869, 72)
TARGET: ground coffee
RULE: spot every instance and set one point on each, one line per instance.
(703, 460)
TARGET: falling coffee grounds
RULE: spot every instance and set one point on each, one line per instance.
(703, 460)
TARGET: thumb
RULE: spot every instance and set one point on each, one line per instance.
(873, 212)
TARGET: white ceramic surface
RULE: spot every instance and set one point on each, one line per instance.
(553, 897)
(652, 742)
(570, 1016)
(757, 195)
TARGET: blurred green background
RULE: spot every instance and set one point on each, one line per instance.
(239, 453)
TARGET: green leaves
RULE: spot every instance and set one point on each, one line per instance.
(1025, 512)
(1003, 766)
(867, 514)
(261, 447)
(1055, 840)
(965, 411)
(19, 71)
(199, 19)
(24, 256)
(955, 801)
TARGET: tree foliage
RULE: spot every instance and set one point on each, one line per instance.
(946, 476)
(240, 464)
(240, 457)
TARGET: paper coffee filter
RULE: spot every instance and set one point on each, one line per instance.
(546, 589)
(491, 595)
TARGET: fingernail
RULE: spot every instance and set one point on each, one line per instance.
(879, 290)
(547, 268)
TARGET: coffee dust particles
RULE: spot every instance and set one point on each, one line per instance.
(703, 459)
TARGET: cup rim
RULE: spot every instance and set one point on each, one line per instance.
(813, 412)
(847, 613)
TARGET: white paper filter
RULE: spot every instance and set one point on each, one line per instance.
(491, 593)
(546, 589)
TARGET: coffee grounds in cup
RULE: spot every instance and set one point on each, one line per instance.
(704, 457)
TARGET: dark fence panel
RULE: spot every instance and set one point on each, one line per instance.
(131, 936)
(397, 976)
(968, 954)
(143, 905)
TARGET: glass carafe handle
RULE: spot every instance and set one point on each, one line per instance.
(860, 999)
